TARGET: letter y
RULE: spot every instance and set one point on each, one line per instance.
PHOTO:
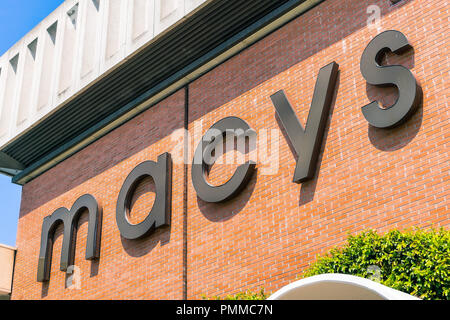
(307, 142)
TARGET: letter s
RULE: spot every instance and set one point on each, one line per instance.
(409, 93)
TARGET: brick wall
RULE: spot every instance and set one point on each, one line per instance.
(366, 179)
(148, 268)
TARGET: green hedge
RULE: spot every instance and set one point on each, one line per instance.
(416, 262)
(248, 295)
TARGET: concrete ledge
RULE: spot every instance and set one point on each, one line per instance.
(7, 258)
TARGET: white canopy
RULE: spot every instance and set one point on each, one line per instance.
(338, 287)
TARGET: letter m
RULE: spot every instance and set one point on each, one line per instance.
(69, 219)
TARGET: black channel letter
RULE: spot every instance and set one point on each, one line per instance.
(159, 216)
(307, 142)
(69, 219)
(409, 93)
(203, 161)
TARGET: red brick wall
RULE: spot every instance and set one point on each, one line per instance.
(148, 268)
(367, 178)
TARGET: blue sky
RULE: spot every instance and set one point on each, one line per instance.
(17, 17)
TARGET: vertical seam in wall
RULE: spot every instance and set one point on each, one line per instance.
(13, 271)
(185, 191)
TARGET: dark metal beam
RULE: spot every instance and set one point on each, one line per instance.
(9, 166)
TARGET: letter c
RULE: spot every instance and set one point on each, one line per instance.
(200, 168)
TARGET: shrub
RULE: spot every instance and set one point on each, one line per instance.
(416, 262)
(248, 295)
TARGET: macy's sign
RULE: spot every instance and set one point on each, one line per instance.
(306, 142)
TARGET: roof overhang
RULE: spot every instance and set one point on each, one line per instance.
(213, 34)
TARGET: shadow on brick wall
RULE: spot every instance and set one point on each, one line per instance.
(219, 212)
(141, 247)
